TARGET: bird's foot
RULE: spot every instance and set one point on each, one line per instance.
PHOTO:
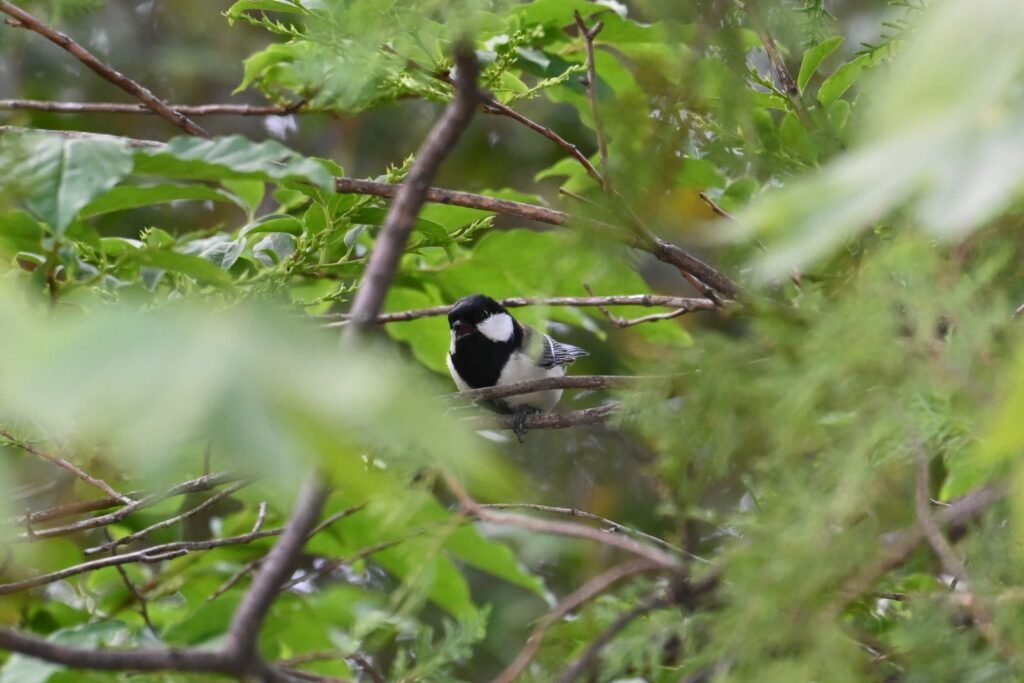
(519, 420)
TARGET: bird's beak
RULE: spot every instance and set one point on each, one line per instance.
(461, 329)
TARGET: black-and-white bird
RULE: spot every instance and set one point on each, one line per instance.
(491, 348)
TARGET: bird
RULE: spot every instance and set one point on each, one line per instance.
(491, 348)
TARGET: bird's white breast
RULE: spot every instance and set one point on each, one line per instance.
(522, 368)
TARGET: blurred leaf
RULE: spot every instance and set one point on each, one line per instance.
(133, 196)
(840, 81)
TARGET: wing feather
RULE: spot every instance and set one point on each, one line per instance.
(555, 353)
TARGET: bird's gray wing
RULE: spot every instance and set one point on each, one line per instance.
(556, 353)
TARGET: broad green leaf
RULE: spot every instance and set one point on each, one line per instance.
(20, 232)
(275, 222)
(126, 197)
(186, 264)
(229, 158)
(841, 80)
(249, 192)
(60, 176)
(813, 59)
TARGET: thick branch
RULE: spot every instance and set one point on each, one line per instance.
(398, 224)
(119, 108)
(684, 304)
(276, 567)
(25, 20)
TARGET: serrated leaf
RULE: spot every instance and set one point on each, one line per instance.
(813, 59)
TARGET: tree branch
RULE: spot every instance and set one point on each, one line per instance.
(576, 418)
(659, 248)
(546, 383)
(391, 239)
(119, 108)
(588, 34)
(570, 529)
(590, 655)
(581, 595)
(687, 305)
(25, 20)
(276, 567)
(70, 467)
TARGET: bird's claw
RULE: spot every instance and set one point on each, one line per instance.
(519, 420)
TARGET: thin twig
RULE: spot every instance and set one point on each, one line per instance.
(70, 467)
(390, 243)
(574, 600)
(143, 94)
(903, 544)
(950, 560)
(198, 484)
(589, 34)
(570, 529)
(333, 565)
(369, 668)
(789, 85)
(715, 207)
(119, 108)
(590, 655)
(685, 304)
(622, 323)
(171, 521)
(613, 526)
(133, 589)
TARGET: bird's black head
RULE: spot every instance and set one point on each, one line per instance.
(468, 312)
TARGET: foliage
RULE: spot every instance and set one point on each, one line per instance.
(164, 308)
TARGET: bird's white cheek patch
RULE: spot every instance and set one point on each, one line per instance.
(497, 328)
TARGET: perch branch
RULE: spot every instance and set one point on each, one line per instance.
(576, 418)
(25, 20)
(567, 382)
(390, 243)
(70, 467)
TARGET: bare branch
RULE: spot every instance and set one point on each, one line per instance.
(570, 529)
(714, 206)
(903, 544)
(613, 526)
(685, 304)
(789, 85)
(199, 484)
(950, 560)
(276, 567)
(588, 34)
(590, 655)
(26, 20)
(119, 108)
(398, 224)
(581, 595)
(70, 467)
(576, 418)
(171, 521)
(622, 323)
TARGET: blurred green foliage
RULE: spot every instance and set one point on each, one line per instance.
(163, 302)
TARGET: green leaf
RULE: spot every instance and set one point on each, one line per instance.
(274, 222)
(60, 176)
(813, 59)
(186, 264)
(242, 6)
(231, 157)
(841, 80)
(126, 197)
(249, 192)
(20, 232)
